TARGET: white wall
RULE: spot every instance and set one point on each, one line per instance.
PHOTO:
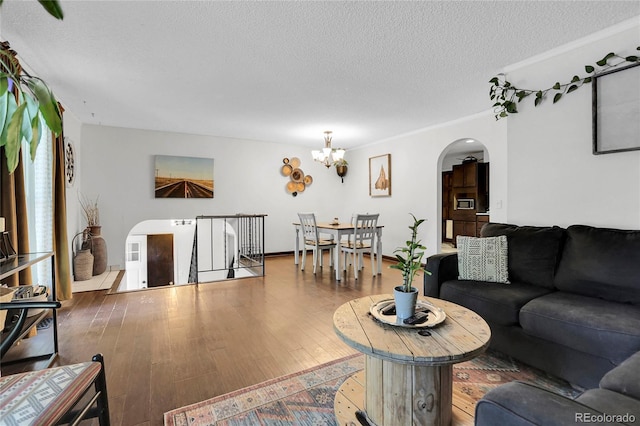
(553, 176)
(75, 221)
(118, 166)
(416, 180)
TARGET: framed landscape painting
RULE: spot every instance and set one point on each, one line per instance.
(183, 177)
(380, 176)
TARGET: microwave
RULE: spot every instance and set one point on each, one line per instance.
(465, 204)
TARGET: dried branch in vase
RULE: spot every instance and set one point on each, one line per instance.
(90, 210)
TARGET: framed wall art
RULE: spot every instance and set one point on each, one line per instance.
(616, 110)
(380, 176)
(183, 177)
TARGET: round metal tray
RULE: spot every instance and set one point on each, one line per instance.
(436, 315)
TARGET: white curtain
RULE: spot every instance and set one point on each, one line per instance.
(39, 194)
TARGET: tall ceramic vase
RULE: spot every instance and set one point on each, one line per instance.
(405, 302)
(98, 249)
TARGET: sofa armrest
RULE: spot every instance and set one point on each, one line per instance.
(625, 378)
(442, 267)
(519, 404)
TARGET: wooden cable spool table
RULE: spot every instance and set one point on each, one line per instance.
(408, 376)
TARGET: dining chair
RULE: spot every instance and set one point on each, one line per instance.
(362, 241)
(313, 241)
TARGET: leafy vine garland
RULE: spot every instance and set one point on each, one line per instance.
(507, 96)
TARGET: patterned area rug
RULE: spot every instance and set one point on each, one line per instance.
(306, 398)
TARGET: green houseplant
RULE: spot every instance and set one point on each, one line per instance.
(409, 262)
(341, 167)
(507, 96)
(24, 100)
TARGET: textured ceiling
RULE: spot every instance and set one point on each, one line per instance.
(287, 71)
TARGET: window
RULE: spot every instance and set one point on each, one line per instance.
(133, 252)
(39, 194)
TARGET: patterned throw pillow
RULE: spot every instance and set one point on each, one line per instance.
(483, 259)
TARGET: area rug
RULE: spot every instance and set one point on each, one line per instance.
(306, 398)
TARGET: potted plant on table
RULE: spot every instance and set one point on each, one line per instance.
(409, 263)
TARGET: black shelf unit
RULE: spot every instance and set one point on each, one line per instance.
(13, 266)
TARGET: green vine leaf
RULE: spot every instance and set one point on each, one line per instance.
(507, 95)
(53, 7)
(602, 62)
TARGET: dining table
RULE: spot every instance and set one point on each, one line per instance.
(337, 230)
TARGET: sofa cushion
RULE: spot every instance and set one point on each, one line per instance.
(523, 404)
(606, 329)
(483, 259)
(618, 407)
(533, 251)
(602, 263)
(625, 378)
(496, 303)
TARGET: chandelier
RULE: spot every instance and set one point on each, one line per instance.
(328, 155)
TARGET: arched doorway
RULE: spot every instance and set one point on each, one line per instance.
(164, 247)
(463, 169)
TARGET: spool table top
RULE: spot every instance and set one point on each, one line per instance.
(462, 336)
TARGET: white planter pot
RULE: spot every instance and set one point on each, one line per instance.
(405, 302)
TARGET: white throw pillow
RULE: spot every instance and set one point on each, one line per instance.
(483, 259)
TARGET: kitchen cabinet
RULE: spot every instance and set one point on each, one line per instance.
(11, 267)
(481, 219)
(464, 228)
(465, 175)
(469, 181)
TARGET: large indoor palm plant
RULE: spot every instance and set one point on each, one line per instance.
(24, 101)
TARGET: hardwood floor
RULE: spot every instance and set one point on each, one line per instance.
(169, 347)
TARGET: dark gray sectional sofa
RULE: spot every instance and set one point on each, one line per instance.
(572, 307)
(616, 401)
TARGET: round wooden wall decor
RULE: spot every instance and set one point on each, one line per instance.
(69, 163)
(298, 181)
